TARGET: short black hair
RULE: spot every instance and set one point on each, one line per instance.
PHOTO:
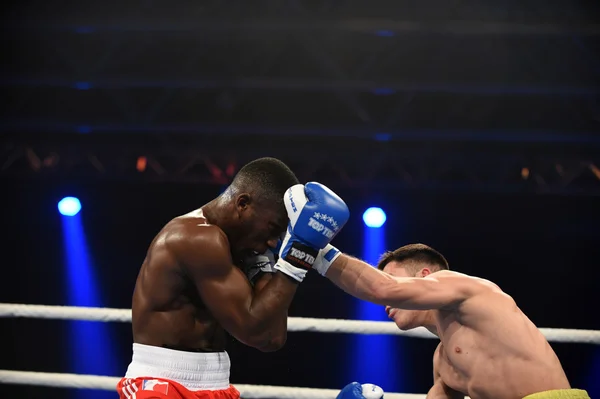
(268, 177)
(419, 253)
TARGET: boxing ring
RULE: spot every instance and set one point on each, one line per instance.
(248, 391)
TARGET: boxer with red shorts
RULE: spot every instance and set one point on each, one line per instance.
(210, 272)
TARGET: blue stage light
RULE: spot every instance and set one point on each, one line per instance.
(69, 206)
(374, 217)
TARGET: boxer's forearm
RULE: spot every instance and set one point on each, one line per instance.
(359, 279)
(271, 300)
(441, 391)
(275, 335)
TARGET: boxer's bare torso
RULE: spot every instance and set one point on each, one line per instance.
(167, 308)
(189, 287)
(489, 348)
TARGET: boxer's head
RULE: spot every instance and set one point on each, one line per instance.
(256, 217)
(414, 260)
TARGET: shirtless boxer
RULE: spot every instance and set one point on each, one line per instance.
(194, 285)
(489, 349)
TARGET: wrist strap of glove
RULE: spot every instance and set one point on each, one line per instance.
(294, 272)
(297, 259)
(325, 258)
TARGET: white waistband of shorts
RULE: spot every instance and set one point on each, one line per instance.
(194, 370)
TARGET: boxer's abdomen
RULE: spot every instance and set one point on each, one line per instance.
(174, 318)
(184, 329)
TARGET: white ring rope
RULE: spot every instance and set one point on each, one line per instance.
(294, 323)
(110, 384)
(247, 391)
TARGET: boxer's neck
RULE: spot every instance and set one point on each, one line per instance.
(429, 322)
(219, 213)
(210, 214)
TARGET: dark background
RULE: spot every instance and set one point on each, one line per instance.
(475, 125)
(541, 250)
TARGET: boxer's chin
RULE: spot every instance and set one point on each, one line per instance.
(405, 319)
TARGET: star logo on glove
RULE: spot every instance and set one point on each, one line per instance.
(335, 225)
(326, 218)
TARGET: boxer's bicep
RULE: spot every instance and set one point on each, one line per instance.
(439, 390)
(435, 291)
(436, 392)
(223, 288)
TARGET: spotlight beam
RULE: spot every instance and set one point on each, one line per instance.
(69, 206)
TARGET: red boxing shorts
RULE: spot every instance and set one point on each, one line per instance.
(157, 388)
(165, 373)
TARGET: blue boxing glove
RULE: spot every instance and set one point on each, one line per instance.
(354, 390)
(316, 215)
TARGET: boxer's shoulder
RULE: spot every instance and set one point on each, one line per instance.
(462, 281)
(448, 274)
(198, 246)
(193, 231)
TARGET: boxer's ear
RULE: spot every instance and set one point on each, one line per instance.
(243, 201)
(424, 272)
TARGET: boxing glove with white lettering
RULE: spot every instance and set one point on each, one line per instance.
(354, 390)
(316, 216)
